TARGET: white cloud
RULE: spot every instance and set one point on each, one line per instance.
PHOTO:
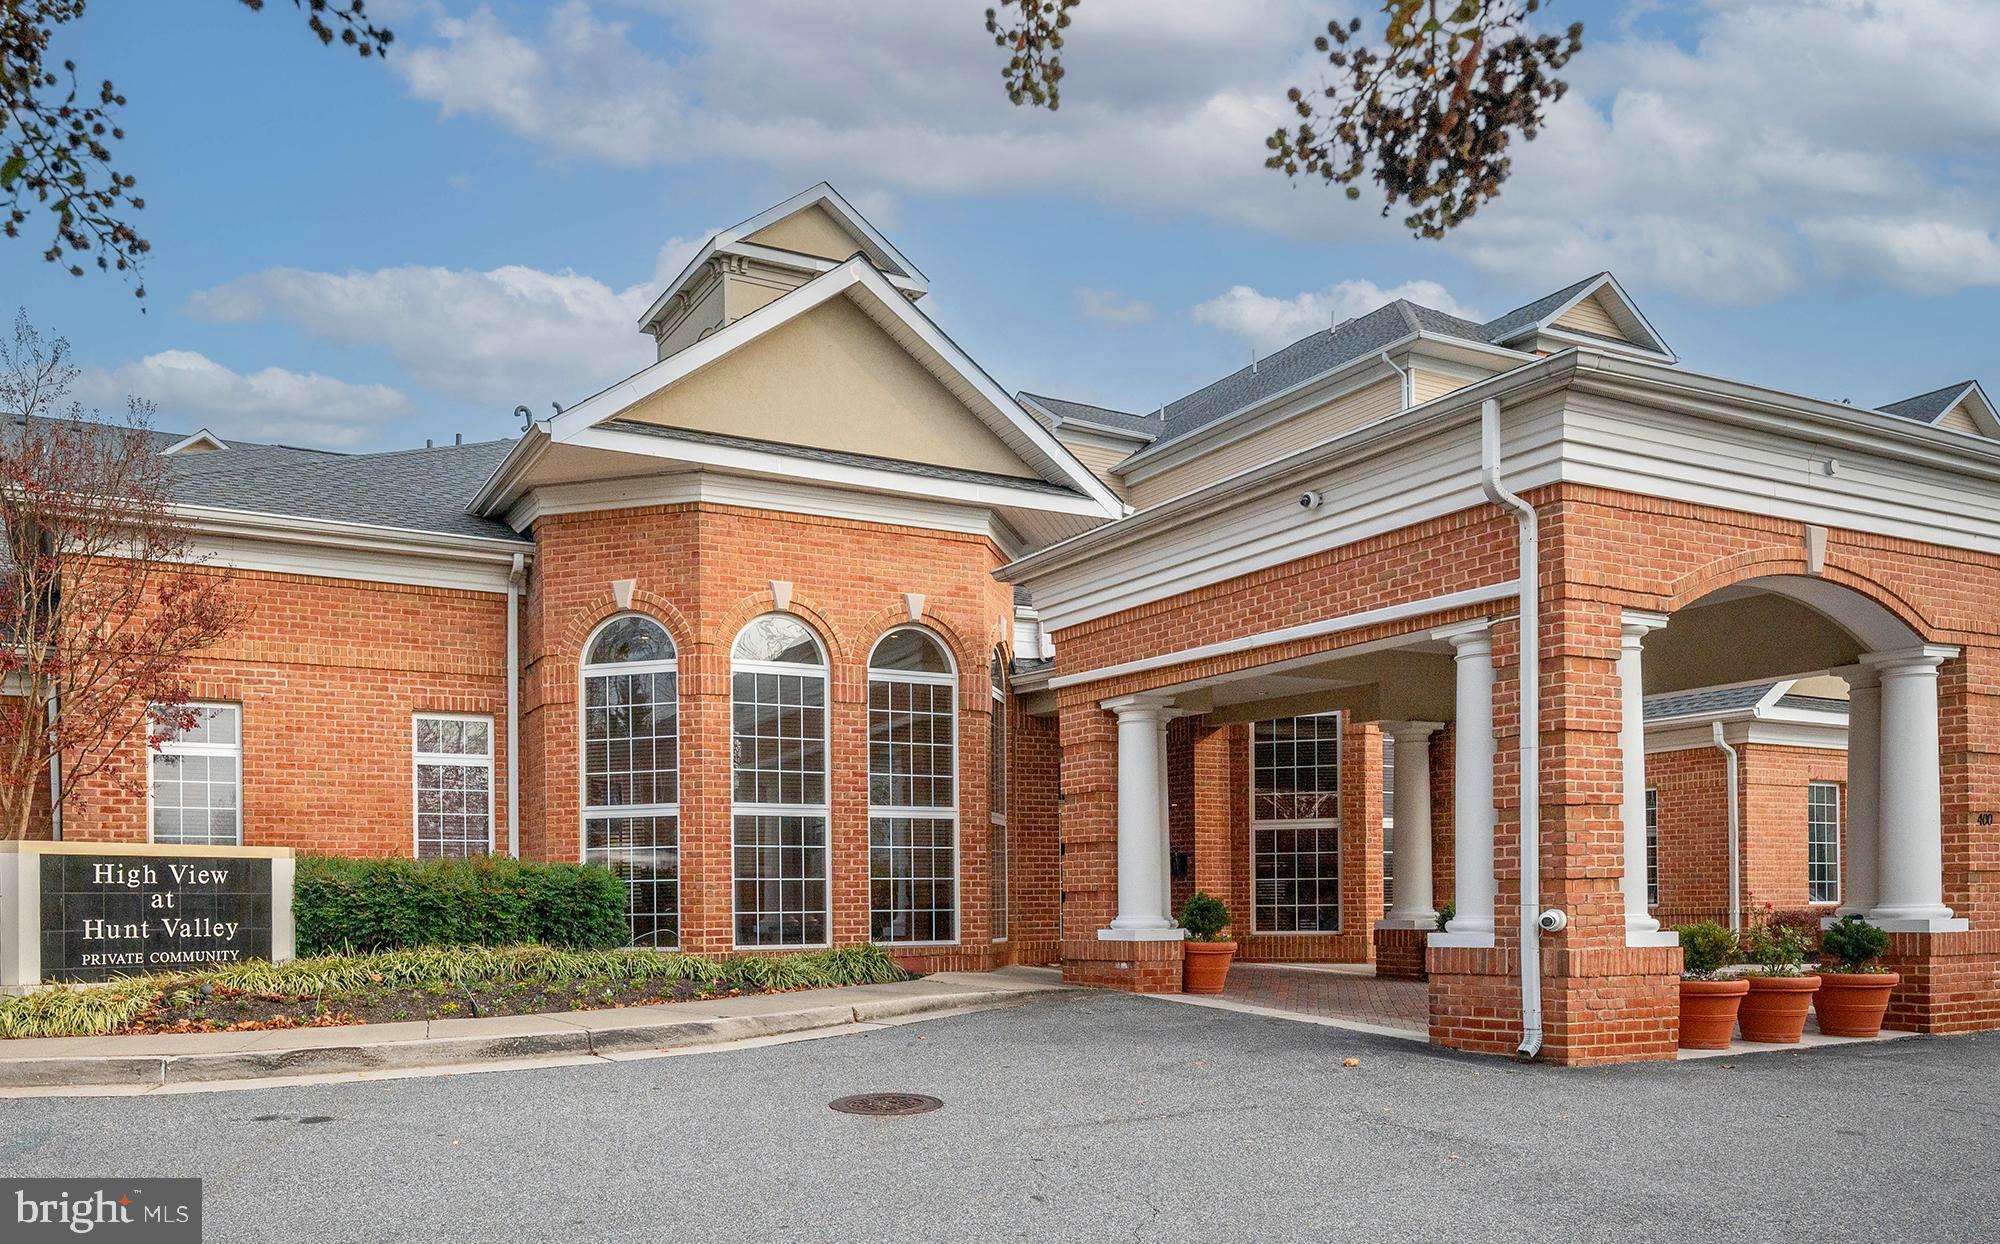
(1929, 255)
(1105, 306)
(510, 335)
(191, 391)
(1720, 166)
(1268, 323)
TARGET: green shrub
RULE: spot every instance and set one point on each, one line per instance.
(345, 904)
(1854, 944)
(1446, 914)
(1777, 948)
(1204, 917)
(1706, 948)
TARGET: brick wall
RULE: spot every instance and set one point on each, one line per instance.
(329, 674)
(704, 571)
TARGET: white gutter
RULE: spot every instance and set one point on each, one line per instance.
(515, 576)
(1530, 621)
(1735, 836)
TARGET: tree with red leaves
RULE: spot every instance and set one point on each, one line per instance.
(103, 601)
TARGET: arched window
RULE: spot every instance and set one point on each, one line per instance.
(778, 765)
(996, 786)
(1295, 824)
(631, 771)
(912, 790)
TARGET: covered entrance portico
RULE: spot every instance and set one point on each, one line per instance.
(1399, 603)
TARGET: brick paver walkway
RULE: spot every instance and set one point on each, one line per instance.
(1337, 995)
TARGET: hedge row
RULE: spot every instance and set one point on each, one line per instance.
(348, 905)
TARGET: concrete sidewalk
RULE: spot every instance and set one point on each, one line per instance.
(145, 1061)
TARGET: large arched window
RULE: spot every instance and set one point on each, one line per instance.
(996, 787)
(1295, 824)
(631, 771)
(778, 766)
(912, 790)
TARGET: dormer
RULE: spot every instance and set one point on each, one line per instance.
(200, 442)
(1962, 407)
(757, 261)
(1595, 314)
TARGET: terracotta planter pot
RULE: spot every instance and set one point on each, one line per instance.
(1774, 1011)
(1851, 1004)
(1708, 1012)
(1205, 966)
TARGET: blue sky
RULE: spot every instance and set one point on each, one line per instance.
(1800, 193)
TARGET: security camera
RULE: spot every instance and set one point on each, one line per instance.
(1310, 500)
(1554, 920)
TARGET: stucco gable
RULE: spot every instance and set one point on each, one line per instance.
(812, 230)
(832, 379)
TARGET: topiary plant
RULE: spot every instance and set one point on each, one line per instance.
(1445, 914)
(1855, 944)
(1706, 948)
(1204, 917)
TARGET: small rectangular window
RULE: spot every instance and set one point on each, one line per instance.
(1823, 842)
(196, 780)
(453, 785)
(1652, 847)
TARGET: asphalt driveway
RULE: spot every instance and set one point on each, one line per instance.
(1082, 1117)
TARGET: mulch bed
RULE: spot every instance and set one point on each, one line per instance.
(229, 1010)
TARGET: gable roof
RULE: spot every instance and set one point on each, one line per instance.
(734, 240)
(594, 423)
(1388, 325)
(1932, 407)
(1057, 410)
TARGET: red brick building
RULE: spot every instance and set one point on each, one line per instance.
(817, 635)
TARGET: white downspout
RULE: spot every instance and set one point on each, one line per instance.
(515, 575)
(55, 776)
(1409, 389)
(1530, 617)
(1735, 836)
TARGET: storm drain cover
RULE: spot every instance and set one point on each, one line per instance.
(885, 1104)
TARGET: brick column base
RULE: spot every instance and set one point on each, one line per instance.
(1399, 953)
(1475, 999)
(1598, 1006)
(1135, 967)
(1951, 981)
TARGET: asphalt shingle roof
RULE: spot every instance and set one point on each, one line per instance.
(1705, 702)
(839, 457)
(411, 490)
(1926, 407)
(1125, 421)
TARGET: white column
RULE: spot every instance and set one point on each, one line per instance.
(1142, 822)
(1861, 854)
(1472, 802)
(1640, 927)
(1410, 823)
(1911, 822)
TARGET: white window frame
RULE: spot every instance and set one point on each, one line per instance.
(823, 810)
(998, 836)
(1388, 823)
(913, 812)
(461, 760)
(172, 748)
(1309, 822)
(1833, 787)
(586, 811)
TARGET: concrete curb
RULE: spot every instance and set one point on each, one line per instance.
(269, 1054)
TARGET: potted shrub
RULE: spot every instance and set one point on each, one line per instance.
(1709, 1001)
(1853, 998)
(1207, 951)
(1781, 990)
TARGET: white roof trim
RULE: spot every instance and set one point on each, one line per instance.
(859, 280)
(895, 265)
(202, 437)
